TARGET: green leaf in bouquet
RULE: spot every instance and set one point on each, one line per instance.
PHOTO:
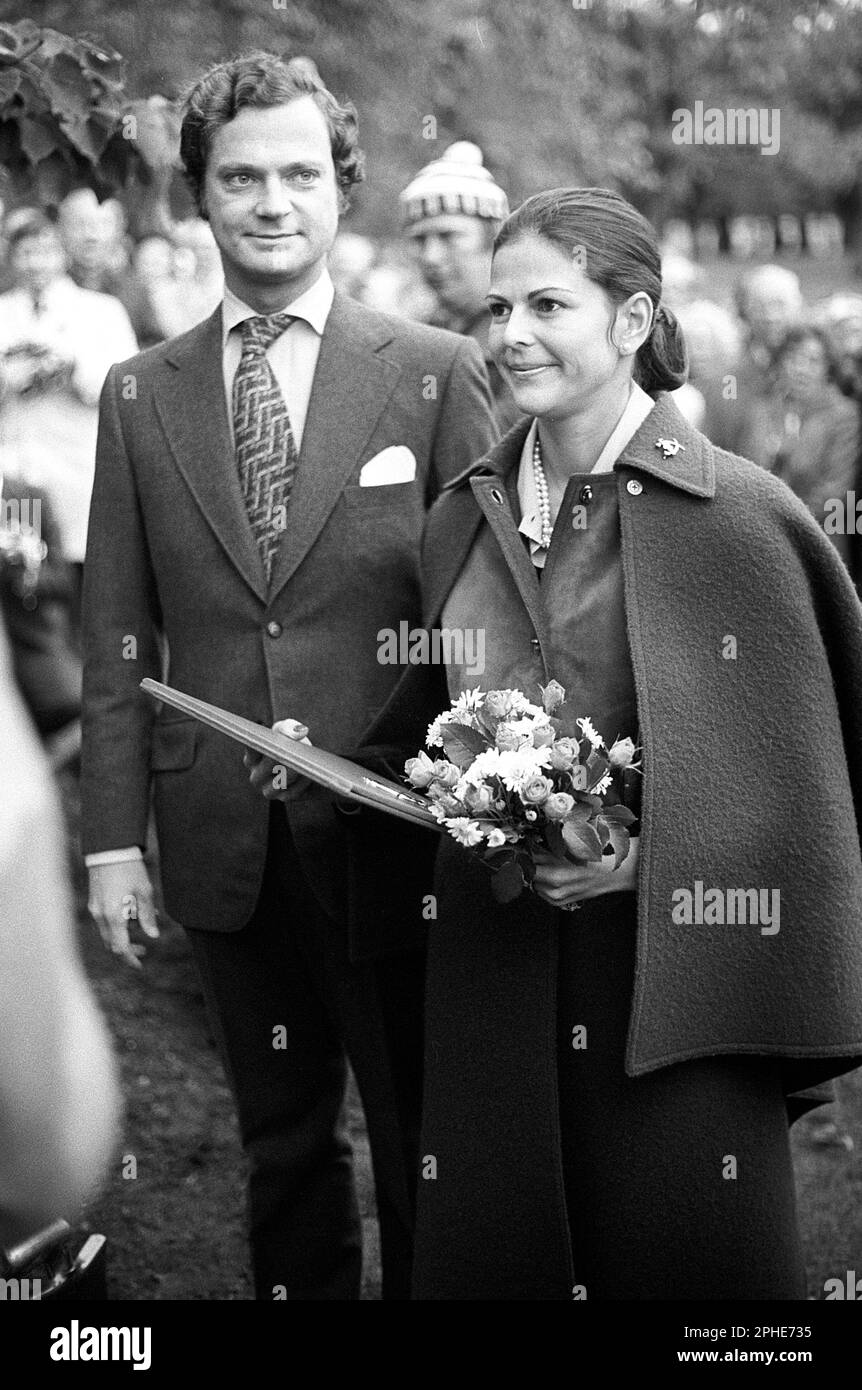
(462, 744)
(582, 842)
(507, 882)
(618, 815)
(581, 812)
(554, 839)
(602, 830)
(597, 766)
(588, 799)
(620, 841)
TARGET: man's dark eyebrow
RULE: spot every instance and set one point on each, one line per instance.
(295, 166)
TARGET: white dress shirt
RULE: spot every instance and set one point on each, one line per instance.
(293, 358)
(638, 407)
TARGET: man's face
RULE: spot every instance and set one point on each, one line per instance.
(772, 307)
(454, 256)
(37, 260)
(271, 198)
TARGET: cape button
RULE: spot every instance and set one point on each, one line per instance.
(586, 494)
(274, 629)
(635, 487)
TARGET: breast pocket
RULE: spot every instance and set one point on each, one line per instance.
(174, 744)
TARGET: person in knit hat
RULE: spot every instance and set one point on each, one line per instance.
(452, 211)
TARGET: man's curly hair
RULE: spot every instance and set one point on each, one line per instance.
(263, 79)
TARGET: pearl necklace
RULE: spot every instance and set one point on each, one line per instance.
(542, 494)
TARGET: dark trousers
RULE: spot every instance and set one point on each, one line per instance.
(288, 1010)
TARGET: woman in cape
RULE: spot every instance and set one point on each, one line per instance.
(611, 1059)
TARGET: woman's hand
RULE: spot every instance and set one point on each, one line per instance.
(563, 884)
(273, 780)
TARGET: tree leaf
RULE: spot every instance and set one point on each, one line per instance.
(10, 81)
(38, 140)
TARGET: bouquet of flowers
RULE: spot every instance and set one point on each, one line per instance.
(511, 781)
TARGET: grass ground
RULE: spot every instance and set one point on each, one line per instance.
(175, 1229)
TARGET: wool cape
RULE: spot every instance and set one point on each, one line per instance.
(745, 637)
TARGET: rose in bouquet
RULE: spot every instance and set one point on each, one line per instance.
(510, 780)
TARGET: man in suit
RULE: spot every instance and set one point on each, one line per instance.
(261, 486)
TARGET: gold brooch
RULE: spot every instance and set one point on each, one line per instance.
(669, 447)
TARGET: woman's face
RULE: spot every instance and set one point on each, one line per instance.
(550, 328)
(805, 370)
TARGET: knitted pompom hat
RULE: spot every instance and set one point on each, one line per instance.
(457, 182)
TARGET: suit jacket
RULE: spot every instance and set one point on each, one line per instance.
(173, 571)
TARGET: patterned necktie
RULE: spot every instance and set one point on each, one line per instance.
(265, 448)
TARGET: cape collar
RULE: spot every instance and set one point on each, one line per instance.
(691, 468)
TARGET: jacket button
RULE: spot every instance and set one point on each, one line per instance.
(635, 487)
(274, 629)
(534, 643)
(586, 494)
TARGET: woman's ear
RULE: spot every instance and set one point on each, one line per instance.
(633, 323)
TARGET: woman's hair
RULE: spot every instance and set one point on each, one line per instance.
(263, 80)
(616, 248)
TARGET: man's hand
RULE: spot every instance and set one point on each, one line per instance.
(562, 884)
(274, 781)
(119, 895)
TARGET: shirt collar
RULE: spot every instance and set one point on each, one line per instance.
(637, 408)
(312, 306)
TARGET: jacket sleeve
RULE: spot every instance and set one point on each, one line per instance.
(120, 621)
(466, 428)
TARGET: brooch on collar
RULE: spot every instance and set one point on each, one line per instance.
(669, 447)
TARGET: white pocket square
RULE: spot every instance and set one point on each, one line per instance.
(397, 464)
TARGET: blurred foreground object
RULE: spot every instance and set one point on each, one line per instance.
(59, 1100)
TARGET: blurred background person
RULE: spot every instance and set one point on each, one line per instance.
(681, 280)
(150, 283)
(840, 317)
(93, 237)
(806, 431)
(57, 342)
(35, 595)
(59, 1099)
(350, 262)
(769, 303)
(713, 339)
(451, 213)
(197, 285)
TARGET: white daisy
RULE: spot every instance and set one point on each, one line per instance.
(586, 727)
(464, 830)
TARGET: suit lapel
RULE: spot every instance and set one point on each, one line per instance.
(352, 386)
(193, 411)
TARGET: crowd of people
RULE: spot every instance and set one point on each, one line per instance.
(771, 377)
